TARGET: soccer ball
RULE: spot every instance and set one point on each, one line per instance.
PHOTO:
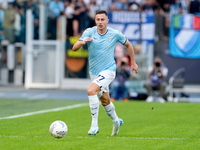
(58, 129)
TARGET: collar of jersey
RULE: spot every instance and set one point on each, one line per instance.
(102, 34)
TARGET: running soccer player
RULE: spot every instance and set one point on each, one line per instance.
(101, 42)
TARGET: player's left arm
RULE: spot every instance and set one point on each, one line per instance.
(134, 66)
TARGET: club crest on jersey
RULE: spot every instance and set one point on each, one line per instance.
(109, 38)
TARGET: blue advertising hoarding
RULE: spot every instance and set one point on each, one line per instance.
(137, 28)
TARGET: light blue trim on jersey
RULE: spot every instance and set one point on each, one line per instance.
(101, 49)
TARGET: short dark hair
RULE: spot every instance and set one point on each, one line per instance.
(102, 12)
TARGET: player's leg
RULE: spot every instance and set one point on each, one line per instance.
(105, 78)
(110, 110)
(109, 107)
(100, 85)
(92, 91)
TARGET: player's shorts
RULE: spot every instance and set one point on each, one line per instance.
(103, 79)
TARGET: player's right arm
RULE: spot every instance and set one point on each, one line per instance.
(80, 43)
(134, 66)
(85, 38)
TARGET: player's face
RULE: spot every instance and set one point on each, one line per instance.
(101, 22)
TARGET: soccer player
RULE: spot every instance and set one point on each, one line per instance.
(101, 42)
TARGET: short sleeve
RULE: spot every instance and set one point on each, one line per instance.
(85, 35)
(121, 37)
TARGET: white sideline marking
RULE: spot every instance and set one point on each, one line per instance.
(45, 111)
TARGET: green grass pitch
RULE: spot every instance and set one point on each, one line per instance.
(169, 126)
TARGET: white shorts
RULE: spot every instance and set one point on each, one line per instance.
(103, 79)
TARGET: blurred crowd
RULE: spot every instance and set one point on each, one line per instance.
(79, 14)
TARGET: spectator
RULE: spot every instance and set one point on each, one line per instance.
(69, 10)
(47, 2)
(76, 13)
(8, 23)
(157, 9)
(34, 6)
(92, 8)
(179, 7)
(36, 29)
(125, 4)
(23, 25)
(165, 4)
(1, 22)
(166, 26)
(116, 5)
(156, 80)
(148, 6)
(56, 8)
(194, 6)
(87, 2)
(133, 6)
(17, 24)
(120, 84)
(104, 4)
(4, 4)
(80, 15)
(175, 8)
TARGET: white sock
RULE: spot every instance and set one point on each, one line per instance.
(110, 110)
(94, 108)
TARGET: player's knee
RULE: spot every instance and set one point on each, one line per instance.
(93, 89)
(91, 92)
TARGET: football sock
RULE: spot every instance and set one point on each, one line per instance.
(94, 108)
(110, 110)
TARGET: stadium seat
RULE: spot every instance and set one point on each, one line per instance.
(176, 81)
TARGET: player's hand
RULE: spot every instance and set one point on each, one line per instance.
(87, 40)
(134, 67)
